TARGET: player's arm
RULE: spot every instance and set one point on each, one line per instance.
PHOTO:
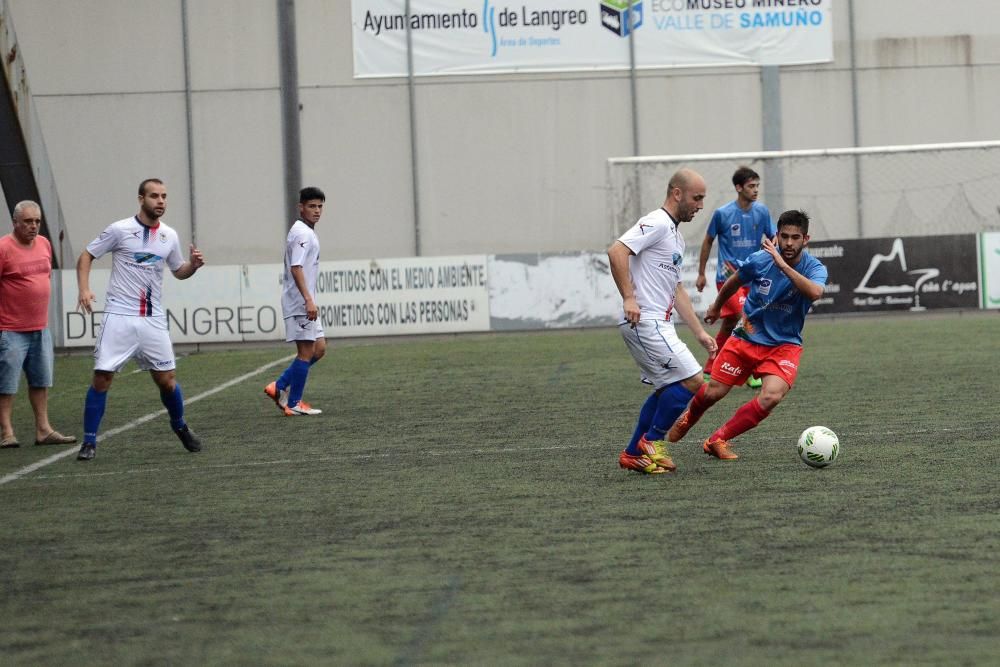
(683, 305)
(728, 289)
(706, 251)
(195, 261)
(618, 255)
(299, 276)
(809, 289)
(85, 297)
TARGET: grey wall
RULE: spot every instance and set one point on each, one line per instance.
(511, 163)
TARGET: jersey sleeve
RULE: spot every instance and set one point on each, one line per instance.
(817, 273)
(754, 266)
(175, 258)
(641, 236)
(713, 224)
(104, 243)
(298, 250)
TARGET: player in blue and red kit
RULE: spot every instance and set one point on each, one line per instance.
(740, 226)
(784, 282)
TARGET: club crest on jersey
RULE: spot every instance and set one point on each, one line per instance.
(677, 258)
(163, 238)
(764, 286)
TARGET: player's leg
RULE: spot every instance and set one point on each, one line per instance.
(778, 367)
(156, 355)
(93, 412)
(117, 342)
(319, 351)
(668, 363)
(726, 373)
(172, 398)
(298, 376)
(305, 333)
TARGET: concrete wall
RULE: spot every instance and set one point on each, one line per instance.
(509, 163)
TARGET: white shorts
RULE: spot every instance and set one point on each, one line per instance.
(125, 337)
(300, 327)
(662, 357)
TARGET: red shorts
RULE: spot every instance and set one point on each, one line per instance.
(734, 306)
(739, 359)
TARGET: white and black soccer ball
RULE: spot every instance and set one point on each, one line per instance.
(818, 446)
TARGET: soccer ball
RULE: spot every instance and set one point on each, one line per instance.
(818, 446)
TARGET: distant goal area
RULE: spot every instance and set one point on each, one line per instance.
(917, 190)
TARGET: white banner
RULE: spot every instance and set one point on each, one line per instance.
(356, 298)
(470, 37)
(571, 290)
(989, 249)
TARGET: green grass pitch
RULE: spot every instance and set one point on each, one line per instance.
(459, 502)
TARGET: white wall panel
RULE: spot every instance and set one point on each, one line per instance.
(362, 163)
(234, 44)
(111, 46)
(102, 146)
(239, 181)
(518, 166)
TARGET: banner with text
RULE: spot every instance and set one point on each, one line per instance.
(472, 37)
(355, 298)
(914, 273)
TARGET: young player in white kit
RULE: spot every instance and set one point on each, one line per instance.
(298, 306)
(646, 265)
(135, 324)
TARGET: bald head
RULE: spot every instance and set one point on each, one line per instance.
(685, 194)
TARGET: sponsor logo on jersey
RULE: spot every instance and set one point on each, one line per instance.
(642, 227)
(734, 228)
(729, 369)
(145, 257)
(764, 286)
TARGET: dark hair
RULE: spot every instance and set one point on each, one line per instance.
(794, 218)
(744, 174)
(142, 186)
(307, 194)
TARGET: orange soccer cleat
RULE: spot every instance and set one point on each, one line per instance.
(680, 427)
(719, 448)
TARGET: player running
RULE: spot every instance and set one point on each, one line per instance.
(135, 324)
(784, 282)
(740, 226)
(646, 265)
(298, 306)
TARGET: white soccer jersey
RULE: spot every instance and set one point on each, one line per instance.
(301, 249)
(138, 255)
(656, 265)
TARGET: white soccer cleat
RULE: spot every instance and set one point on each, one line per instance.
(301, 409)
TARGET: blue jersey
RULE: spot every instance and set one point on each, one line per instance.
(775, 311)
(739, 233)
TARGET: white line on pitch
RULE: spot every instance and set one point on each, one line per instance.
(27, 470)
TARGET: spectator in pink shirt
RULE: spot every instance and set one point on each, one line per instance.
(25, 341)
